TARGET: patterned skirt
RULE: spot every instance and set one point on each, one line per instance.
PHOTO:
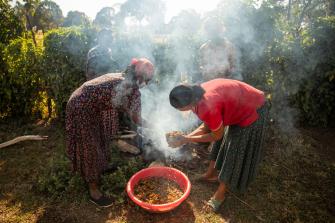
(239, 152)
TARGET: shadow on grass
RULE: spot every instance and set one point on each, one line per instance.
(183, 213)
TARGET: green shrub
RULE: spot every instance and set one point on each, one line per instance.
(57, 181)
(64, 62)
(316, 96)
(22, 81)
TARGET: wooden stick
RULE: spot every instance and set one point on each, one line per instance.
(23, 138)
(246, 204)
(128, 136)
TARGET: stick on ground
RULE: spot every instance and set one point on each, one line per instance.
(23, 138)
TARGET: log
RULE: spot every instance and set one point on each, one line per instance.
(23, 138)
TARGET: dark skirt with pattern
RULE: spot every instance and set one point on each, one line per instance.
(239, 152)
(93, 118)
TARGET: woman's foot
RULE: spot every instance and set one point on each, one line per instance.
(97, 197)
(218, 198)
(213, 205)
(211, 174)
(102, 201)
(211, 178)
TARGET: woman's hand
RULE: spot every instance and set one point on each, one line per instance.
(177, 141)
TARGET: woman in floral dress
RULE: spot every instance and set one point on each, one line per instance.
(86, 138)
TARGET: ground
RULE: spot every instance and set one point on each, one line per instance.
(295, 183)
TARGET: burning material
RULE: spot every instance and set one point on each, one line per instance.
(157, 190)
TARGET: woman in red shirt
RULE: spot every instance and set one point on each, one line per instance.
(234, 115)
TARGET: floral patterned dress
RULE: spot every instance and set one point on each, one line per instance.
(87, 138)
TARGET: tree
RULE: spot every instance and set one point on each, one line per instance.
(25, 12)
(153, 11)
(10, 24)
(105, 17)
(10, 28)
(48, 15)
(187, 21)
(76, 18)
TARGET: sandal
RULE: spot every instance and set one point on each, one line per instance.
(215, 204)
(103, 201)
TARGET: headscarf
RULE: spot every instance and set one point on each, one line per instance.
(144, 70)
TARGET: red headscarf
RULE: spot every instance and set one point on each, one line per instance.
(143, 67)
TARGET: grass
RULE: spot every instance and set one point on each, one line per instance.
(295, 184)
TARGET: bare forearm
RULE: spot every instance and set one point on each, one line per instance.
(201, 130)
(208, 137)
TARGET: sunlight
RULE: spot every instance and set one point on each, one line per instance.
(173, 7)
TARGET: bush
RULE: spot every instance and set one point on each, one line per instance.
(64, 62)
(316, 96)
(22, 81)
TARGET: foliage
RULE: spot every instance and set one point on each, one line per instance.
(10, 24)
(141, 9)
(48, 15)
(150, 11)
(59, 182)
(11, 27)
(113, 184)
(76, 18)
(316, 96)
(21, 84)
(129, 45)
(285, 49)
(104, 18)
(64, 62)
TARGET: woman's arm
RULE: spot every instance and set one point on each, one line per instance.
(202, 129)
(206, 137)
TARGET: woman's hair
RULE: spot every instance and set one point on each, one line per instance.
(184, 95)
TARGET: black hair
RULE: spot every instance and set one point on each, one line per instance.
(184, 95)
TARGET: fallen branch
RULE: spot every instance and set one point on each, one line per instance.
(23, 138)
(128, 136)
(246, 204)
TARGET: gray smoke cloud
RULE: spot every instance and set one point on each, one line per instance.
(185, 43)
(163, 118)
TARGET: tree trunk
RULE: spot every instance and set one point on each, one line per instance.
(31, 28)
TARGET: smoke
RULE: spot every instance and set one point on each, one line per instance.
(163, 118)
(184, 40)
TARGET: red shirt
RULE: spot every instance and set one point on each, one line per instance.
(228, 102)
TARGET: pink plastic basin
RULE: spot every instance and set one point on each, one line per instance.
(159, 171)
